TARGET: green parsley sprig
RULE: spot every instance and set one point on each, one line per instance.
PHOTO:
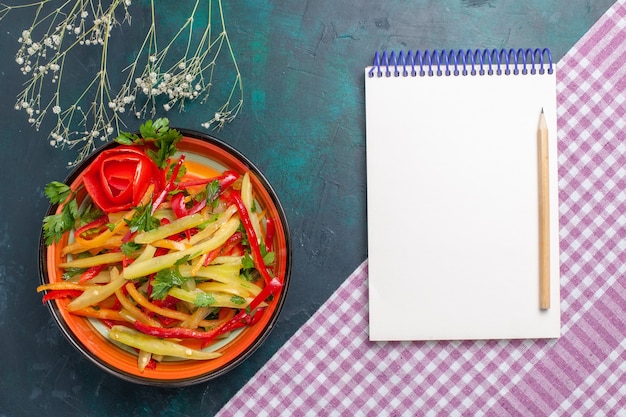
(249, 271)
(164, 280)
(158, 133)
(55, 225)
(143, 220)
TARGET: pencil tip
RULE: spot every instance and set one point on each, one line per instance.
(542, 110)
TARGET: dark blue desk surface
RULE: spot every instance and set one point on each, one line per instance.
(302, 124)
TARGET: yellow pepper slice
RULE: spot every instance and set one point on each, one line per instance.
(156, 345)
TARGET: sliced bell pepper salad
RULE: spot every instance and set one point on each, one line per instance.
(167, 258)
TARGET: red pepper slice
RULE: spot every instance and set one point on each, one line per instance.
(181, 210)
(184, 333)
(118, 178)
(224, 180)
(270, 231)
(235, 198)
(245, 315)
(91, 272)
(171, 332)
(152, 364)
(101, 221)
(166, 321)
(169, 186)
(230, 243)
(109, 323)
(57, 294)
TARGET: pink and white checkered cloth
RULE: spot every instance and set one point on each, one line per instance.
(330, 368)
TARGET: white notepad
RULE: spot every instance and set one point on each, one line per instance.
(452, 196)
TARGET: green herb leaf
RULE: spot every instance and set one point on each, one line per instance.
(213, 193)
(90, 214)
(268, 258)
(143, 220)
(213, 315)
(128, 248)
(185, 259)
(164, 280)
(247, 261)
(126, 138)
(204, 300)
(181, 172)
(165, 139)
(55, 225)
(72, 272)
(235, 299)
(158, 132)
(57, 192)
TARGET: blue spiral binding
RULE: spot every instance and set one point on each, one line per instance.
(462, 62)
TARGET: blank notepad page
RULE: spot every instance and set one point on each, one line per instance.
(452, 206)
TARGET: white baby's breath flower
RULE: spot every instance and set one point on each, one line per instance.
(91, 23)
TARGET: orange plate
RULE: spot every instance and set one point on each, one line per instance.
(205, 154)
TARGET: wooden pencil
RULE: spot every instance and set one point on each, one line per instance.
(544, 215)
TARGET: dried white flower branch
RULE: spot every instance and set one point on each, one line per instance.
(155, 80)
